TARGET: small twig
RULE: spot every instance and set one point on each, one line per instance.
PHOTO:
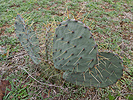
(39, 81)
(7, 71)
(128, 73)
(15, 56)
(52, 76)
(94, 98)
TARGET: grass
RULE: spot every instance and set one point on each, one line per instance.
(110, 22)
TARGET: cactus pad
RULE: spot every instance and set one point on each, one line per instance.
(74, 48)
(27, 38)
(105, 72)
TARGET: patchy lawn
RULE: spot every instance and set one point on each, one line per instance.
(110, 22)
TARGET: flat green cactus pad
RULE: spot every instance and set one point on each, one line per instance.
(105, 72)
(74, 48)
(27, 38)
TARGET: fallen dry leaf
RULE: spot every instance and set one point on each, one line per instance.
(44, 95)
(119, 98)
(3, 85)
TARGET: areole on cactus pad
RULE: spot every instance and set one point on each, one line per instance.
(74, 48)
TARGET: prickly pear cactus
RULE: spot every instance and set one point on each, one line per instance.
(74, 48)
(27, 38)
(105, 72)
